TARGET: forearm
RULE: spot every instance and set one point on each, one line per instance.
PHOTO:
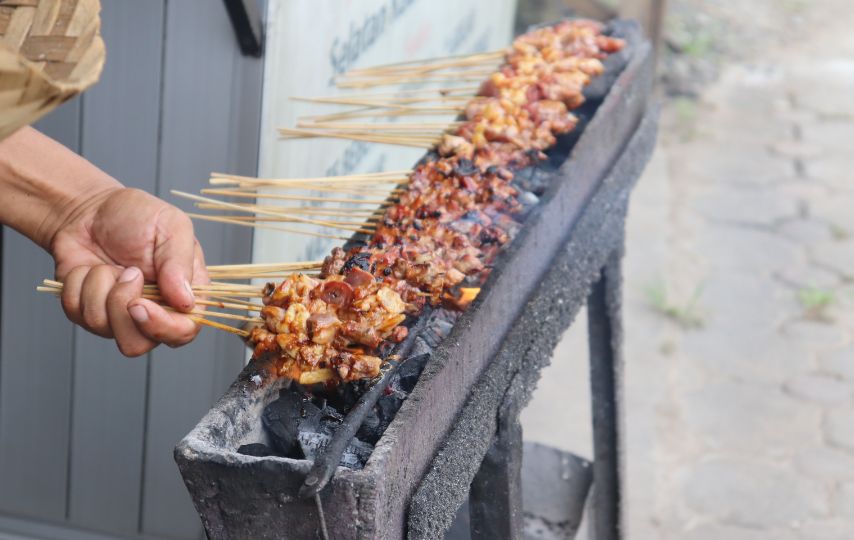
(43, 184)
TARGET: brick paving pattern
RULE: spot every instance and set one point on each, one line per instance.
(739, 305)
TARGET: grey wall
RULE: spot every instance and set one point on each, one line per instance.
(86, 435)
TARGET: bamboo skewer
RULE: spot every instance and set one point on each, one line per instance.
(417, 142)
(393, 103)
(377, 100)
(274, 196)
(217, 314)
(404, 93)
(374, 112)
(247, 306)
(363, 177)
(230, 301)
(472, 76)
(274, 266)
(217, 288)
(242, 208)
(387, 126)
(428, 61)
(453, 74)
(312, 211)
(348, 226)
(362, 226)
(362, 192)
(263, 275)
(219, 326)
(269, 227)
(198, 316)
(274, 182)
(310, 132)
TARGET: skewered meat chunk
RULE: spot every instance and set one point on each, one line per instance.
(447, 226)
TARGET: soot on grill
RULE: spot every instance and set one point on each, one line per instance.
(300, 423)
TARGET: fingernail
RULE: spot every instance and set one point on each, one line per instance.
(130, 273)
(138, 313)
(189, 288)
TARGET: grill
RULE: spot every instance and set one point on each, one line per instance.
(456, 437)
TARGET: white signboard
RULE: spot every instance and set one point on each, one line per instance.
(310, 41)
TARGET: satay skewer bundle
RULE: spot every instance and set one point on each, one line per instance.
(433, 231)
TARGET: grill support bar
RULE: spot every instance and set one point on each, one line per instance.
(605, 343)
(495, 499)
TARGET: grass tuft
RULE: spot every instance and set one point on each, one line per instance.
(839, 232)
(816, 301)
(686, 315)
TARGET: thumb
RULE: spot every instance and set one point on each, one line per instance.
(174, 251)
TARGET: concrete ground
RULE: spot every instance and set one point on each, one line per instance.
(739, 303)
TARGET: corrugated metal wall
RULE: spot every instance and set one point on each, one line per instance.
(86, 435)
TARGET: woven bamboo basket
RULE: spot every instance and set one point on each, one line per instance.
(50, 51)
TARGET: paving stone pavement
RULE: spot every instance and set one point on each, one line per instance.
(741, 426)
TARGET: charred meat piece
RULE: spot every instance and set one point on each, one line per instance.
(446, 227)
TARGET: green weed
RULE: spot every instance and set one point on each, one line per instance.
(687, 315)
(815, 302)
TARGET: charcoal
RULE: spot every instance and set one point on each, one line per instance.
(256, 449)
(386, 408)
(437, 331)
(354, 457)
(286, 417)
(522, 177)
(465, 167)
(329, 413)
(536, 181)
(369, 431)
(344, 396)
(357, 454)
(410, 371)
(312, 443)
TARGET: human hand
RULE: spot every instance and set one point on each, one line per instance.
(107, 247)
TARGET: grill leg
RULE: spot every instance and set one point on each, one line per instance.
(605, 337)
(495, 500)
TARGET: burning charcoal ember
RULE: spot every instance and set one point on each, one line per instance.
(256, 449)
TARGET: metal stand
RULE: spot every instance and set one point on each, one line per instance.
(605, 342)
(495, 500)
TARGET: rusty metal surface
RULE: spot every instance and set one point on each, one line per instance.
(424, 458)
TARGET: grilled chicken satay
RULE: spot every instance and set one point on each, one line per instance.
(449, 224)
(527, 103)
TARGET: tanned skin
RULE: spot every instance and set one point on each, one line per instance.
(106, 241)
